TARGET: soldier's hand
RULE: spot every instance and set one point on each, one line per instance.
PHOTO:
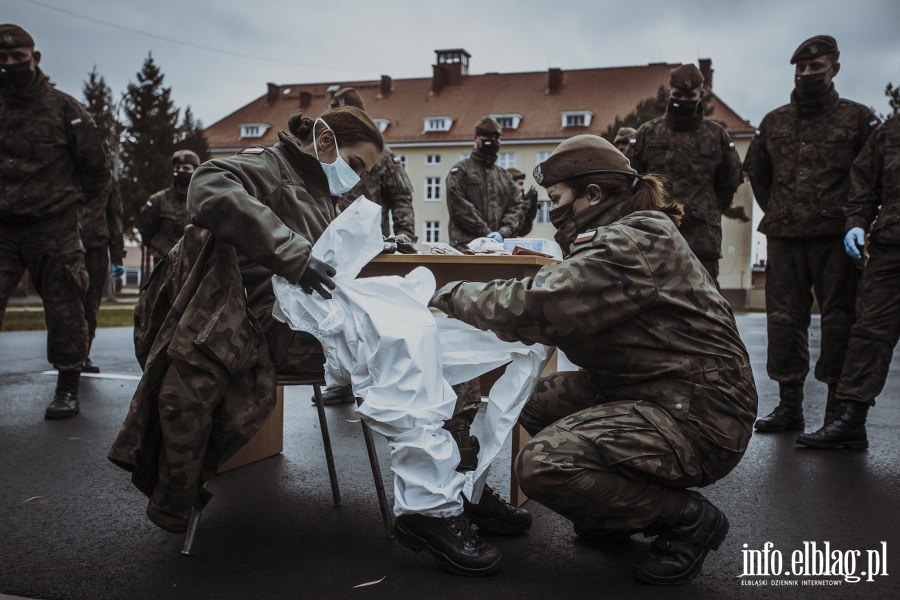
(853, 241)
(495, 236)
(404, 244)
(116, 270)
(317, 277)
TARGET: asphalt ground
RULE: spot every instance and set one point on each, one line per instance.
(72, 525)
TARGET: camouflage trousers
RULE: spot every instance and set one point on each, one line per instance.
(796, 269)
(607, 463)
(293, 352)
(877, 328)
(96, 260)
(52, 253)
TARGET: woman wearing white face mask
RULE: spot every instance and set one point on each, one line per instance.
(272, 203)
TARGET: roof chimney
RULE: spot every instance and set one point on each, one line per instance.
(305, 100)
(451, 66)
(386, 85)
(554, 80)
(707, 71)
(271, 93)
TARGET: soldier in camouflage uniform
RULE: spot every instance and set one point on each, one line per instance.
(101, 234)
(529, 199)
(665, 400)
(799, 166)
(873, 206)
(52, 159)
(164, 216)
(698, 160)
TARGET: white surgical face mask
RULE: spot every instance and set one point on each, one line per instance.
(341, 177)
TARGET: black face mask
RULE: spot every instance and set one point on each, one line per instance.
(181, 179)
(489, 146)
(560, 215)
(16, 75)
(810, 86)
(683, 108)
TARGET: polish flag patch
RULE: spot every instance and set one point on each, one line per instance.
(585, 237)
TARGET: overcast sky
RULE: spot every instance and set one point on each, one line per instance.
(749, 42)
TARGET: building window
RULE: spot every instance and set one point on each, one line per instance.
(542, 156)
(543, 213)
(382, 124)
(254, 130)
(432, 159)
(506, 160)
(432, 189)
(432, 232)
(402, 159)
(509, 120)
(576, 118)
(438, 123)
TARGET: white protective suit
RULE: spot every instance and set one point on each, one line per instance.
(380, 337)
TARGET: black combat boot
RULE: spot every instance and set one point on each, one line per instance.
(89, 367)
(468, 444)
(846, 430)
(831, 404)
(453, 542)
(694, 528)
(495, 515)
(336, 395)
(65, 399)
(788, 415)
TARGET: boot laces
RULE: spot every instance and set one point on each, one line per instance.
(496, 497)
(463, 529)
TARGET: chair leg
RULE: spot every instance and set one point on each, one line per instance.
(379, 482)
(191, 531)
(326, 441)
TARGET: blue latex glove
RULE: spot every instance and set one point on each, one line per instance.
(495, 236)
(117, 270)
(853, 241)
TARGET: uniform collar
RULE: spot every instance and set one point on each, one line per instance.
(818, 105)
(483, 158)
(593, 217)
(39, 86)
(691, 123)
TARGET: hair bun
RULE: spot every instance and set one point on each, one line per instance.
(300, 126)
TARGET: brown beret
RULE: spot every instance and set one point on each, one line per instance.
(13, 36)
(347, 96)
(814, 47)
(516, 174)
(581, 155)
(623, 134)
(686, 77)
(185, 157)
(488, 125)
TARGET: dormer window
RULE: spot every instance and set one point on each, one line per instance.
(382, 124)
(254, 130)
(508, 120)
(438, 123)
(576, 118)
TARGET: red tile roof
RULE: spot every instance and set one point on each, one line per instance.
(607, 92)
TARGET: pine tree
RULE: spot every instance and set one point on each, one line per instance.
(191, 136)
(151, 130)
(893, 94)
(646, 109)
(99, 103)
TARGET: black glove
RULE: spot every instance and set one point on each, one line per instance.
(318, 276)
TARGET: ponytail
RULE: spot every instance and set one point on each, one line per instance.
(300, 127)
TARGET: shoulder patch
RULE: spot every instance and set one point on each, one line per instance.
(454, 170)
(587, 236)
(874, 122)
(76, 122)
(252, 150)
(632, 140)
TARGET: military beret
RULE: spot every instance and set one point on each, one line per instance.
(814, 47)
(347, 96)
(13, 36)
(581, 155)
(516, 174)
(488, 125)
(185, 157)
(686, 77)
(623, 134)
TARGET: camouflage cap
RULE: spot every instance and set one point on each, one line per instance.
(516, 174)
(185, 157)
(814, 47)
(488, 125)
(581, 155)
(347, 96)
(686, 77)
(13, 36)
(623, 134)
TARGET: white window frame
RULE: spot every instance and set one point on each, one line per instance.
(432, 159)
(542, 156)
(587, 115)
(383, 124)
(432, 189)
(505, 160)
(402, 159)
(431, 232)
(543, 212)
(438, 123)
(254, 130)
(514, 120)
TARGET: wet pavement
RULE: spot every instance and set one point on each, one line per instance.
(72, 525)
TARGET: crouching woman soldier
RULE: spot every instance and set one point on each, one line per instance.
(665, 400)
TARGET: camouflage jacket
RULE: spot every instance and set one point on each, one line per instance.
(631, 303)
(875, 185)
(799, 164)
(52, 156)
(387, 185)
(104, 229)
(272, 204)
(162, 220)
(481, 198)
(702, 171)
(208, 383)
